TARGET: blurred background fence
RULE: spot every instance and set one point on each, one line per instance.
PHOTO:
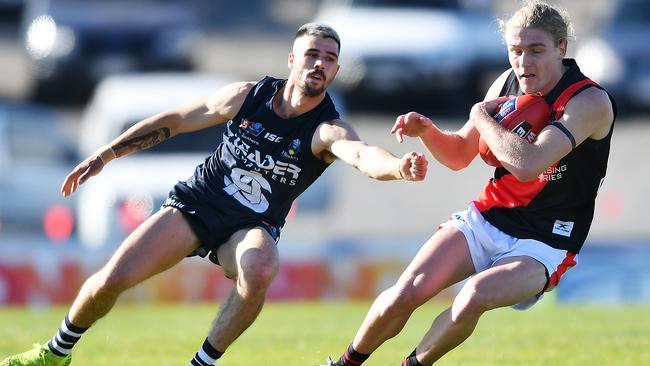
(74, 74)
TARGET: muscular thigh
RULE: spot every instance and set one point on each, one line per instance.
(441, 262)
(510, 281)
(159, 243)
(247, 247)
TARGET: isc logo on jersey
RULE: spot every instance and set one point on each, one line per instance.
(273, 138)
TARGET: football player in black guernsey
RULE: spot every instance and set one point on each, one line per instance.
(281, 134)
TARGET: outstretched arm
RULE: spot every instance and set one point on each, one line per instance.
(203, 113)
(453, 149)
(337, 139)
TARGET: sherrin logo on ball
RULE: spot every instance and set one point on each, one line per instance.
(505, 109)
(525, 115)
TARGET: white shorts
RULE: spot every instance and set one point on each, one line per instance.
(487, 245)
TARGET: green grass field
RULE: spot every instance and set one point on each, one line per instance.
(295, 333)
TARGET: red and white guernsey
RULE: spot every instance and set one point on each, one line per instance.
(556, 208)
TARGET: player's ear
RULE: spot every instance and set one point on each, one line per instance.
(290, 60)
(563, 47)
(338, 67)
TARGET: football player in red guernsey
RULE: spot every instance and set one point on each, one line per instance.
(514, 242)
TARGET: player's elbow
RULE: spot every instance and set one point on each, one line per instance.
(457, 165)
(172, 121)
(458, 161)
(373, 162)
(461, 158)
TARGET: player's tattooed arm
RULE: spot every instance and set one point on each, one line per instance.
(141, 142)
(126, 144)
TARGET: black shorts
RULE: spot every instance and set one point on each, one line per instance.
(212, 226)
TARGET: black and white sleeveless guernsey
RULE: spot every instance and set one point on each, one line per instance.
(557, 208)
(264, 161)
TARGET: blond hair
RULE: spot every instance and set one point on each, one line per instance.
(541, 15)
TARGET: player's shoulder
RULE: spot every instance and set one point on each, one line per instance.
(592, 98)
(241, 87)
(336, 124)
(594, 94)
(593, 109)
(233, 91)
(229, 99)
(335, 129)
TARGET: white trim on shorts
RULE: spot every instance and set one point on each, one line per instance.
(487, 245)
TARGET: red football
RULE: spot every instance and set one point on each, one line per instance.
(525, 115)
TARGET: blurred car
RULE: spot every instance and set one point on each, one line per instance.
(407, 48)
(619, 57)
(35, 156)
(74, 43)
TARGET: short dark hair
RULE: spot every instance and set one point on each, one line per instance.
(318, 30)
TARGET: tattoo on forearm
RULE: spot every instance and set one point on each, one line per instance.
(141, 142)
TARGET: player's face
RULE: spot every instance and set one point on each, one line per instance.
(314, 64)
(535, 59)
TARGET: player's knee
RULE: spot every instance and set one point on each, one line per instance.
(473, 300)
(401, 299)
(109, 283)
(259, 273)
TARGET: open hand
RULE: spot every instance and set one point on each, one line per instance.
(81, 173)
(412, 124)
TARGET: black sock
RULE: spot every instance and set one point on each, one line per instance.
(351, 357)
(65, 338)
(411, 360)
(206, 355)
